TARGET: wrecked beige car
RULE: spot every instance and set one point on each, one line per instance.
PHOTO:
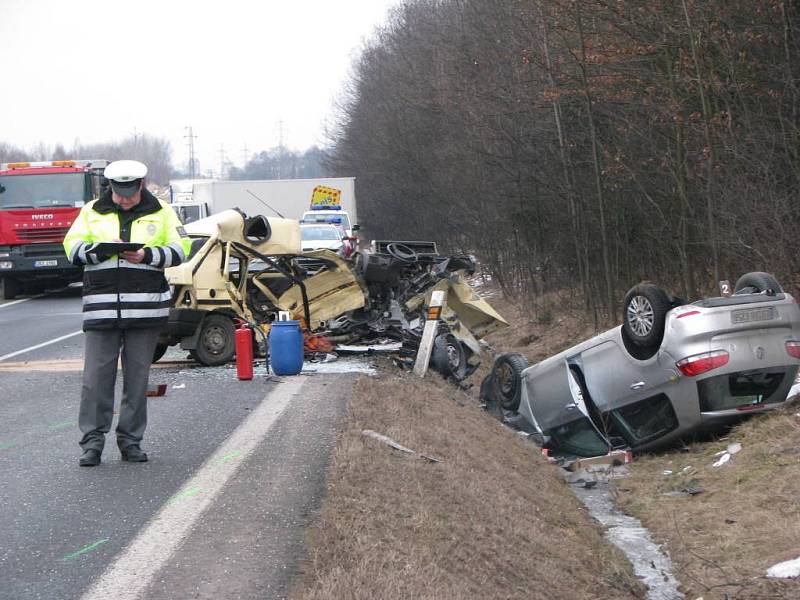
(249, 269)
(243, 268)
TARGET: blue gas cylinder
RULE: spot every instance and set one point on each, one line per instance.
(286, 347)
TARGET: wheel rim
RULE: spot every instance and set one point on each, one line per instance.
(640, 315)
(214, 340)
(453, 357)
(505, 378)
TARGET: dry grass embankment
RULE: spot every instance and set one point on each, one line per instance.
(492, 520)
(723, 540)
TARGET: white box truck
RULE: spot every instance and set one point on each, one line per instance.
(287, 198)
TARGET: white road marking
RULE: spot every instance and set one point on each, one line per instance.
(13, 302)
(134, 569)
(37, 346)
(42, 295)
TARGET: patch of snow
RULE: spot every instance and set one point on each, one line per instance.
(627, 533)
(785, 569)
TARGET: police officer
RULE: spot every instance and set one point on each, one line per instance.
(125, 303)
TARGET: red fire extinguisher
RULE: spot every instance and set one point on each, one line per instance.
(244, 352)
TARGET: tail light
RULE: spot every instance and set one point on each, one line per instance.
(691, 366)
(688, 314)
(793, 348)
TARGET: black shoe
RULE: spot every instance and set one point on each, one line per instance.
(89, 458)
(133, 454)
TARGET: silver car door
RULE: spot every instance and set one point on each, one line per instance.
(613, 378)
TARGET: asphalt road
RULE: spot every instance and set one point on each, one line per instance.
(236, 473)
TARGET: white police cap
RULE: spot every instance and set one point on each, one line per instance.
(123, 171)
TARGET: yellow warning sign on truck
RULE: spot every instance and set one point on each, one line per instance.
(325, 197)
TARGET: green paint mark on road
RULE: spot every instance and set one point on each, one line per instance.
(84, 550)
(184, 495)
(61, 425)
(228, 456)
(7, 445)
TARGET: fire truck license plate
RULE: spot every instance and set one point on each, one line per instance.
(46, 263)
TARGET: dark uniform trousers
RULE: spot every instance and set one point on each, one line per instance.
(102, 350)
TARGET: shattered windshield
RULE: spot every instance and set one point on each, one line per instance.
(42, 191)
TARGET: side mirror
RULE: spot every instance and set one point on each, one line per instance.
(355, 227)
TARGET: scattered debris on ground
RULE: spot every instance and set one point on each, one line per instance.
(391, 443)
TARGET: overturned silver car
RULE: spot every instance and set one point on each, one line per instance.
(670, 371)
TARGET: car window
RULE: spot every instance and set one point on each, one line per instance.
(645, 420)
(319, 233)
(197, 243)
(579, 437)
(745, 388)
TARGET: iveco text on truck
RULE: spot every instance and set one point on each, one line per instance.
(38, 203)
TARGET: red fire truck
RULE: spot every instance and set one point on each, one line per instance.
(38, 203)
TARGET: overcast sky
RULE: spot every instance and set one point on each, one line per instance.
(230, 69)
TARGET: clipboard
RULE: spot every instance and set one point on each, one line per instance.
(116, 247)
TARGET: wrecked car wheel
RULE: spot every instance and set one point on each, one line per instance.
(216, 345)
(160, 350)
(757, 282)
(645, 311)
(507, 375)
(401, 252)
(449, 357)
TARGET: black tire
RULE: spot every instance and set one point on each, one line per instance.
(217, 343)
(644, 314)
(11, 288)
(449, 358)
(359, 262)
(757, 282)
(160, 350)
(507, 377)
(401, 252)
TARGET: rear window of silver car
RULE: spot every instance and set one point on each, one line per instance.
(745, 389)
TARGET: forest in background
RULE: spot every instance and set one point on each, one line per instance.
(583, 144)
(156, 152)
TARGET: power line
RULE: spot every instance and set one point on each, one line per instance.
(190, 143)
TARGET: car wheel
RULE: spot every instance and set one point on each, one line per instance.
(216, 344)
(11, 288)
(160, 350)
(757, 282)
(449, 357)
(507, 375)
(645, 311)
